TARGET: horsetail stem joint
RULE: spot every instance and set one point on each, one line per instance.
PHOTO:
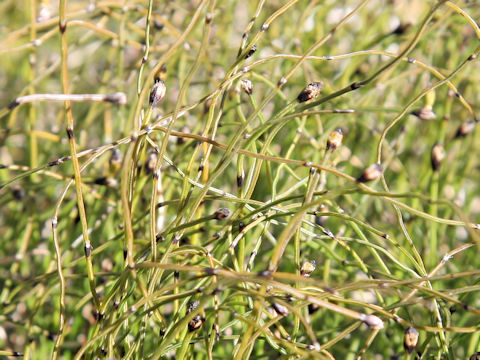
(265, 27)
(308, 268)
(311, 91)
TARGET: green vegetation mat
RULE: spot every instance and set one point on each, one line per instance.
(239, 179)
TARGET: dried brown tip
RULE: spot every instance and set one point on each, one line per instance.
(195, 324)
(221, 214)
(401, 28)
(280, 309)
(310, 92)
(151, 161)
(106, 181)
(307, 268)
(158, 92)
(466, 128)
(335, 139)
(247, 86)
(410, 339)
(437, 156)
(371, 173)
(373, 322)
(424, 114)
(117, 98)
(475, 356)
(251, 51)
(312, 308)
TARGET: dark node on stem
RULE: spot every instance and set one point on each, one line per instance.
(472, 57)
(335, 139)
(466, 128)
(265, 27)
(124, 254)
(410, 339)
(3, 166)
(371, 173)
(176, 274)
(54, 163)
(310, 92)
(200, 168)
(411, 60)
(251, 51)
(17, 354)
(13, 105)
(452, 309)
(158, 92)
(69, 133)
(307, 268)
(159, 238)
(221, 214)
(437, 156)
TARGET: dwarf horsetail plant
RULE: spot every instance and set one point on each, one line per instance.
(212, 179)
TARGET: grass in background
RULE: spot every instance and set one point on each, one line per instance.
(218, 211)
